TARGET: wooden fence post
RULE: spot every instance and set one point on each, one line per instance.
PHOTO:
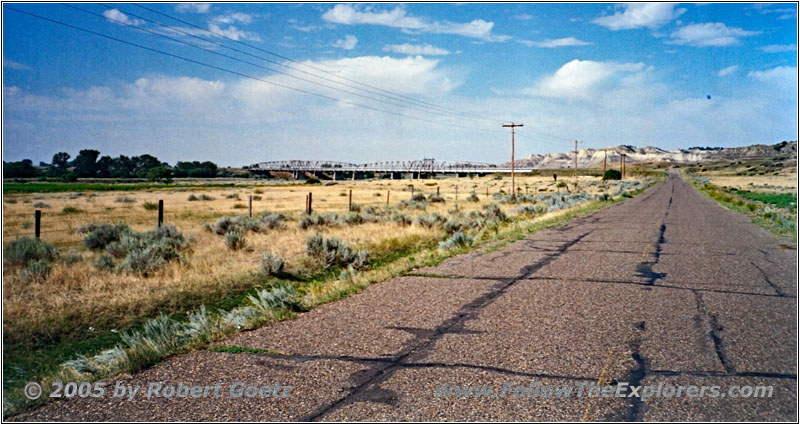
(350, 202)
(38, 223)
(251, 206)
(387, 197)
(310, 199)
(160, 212)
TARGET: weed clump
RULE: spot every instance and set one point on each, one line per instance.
(104, 262)
(125, 200)
(150, 206)
(473, 197)
(235, 240)
(456, 240)
(41, 204)
(98, 236)
(334, 252)
(37, 270)
(271, 264)
(22, 251)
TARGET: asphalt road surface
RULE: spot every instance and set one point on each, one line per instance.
(664, 290)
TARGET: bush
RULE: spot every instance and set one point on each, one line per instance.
(271, 264)
(37, 270)
(72, 257)
(456, 240)
(355, 208)
(413, 205)
(312, 181)
(435, 198)
(150, 206)
(125, 200)
(612, 174)
(239, 223)
(279, 296)
(235, 240)
(239, 206)
(492, 212)
(425, 221)
(272, 220)
(98, 236)
(41, 204)
(201, 197)
(330, 251)
(104, 262)
(25, 250)
(473, 197)
(256, 198)
(418, 197)
(70, 210)
(232, 196)
(402, 219)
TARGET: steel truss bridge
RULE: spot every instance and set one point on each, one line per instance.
(396, 169)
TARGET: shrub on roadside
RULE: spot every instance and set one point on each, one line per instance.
(271, 264)
(456, 240)
(98, 236)
(235, 240)
(22, 251)
(37, 270)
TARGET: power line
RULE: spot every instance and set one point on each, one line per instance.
(218, 68)
(494, 121)
(240, 60)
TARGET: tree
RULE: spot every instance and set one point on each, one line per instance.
(612, 174)
(159, 174)
(21, 169)
(86, 163)
(144, 163)
(60, 163)
(104, 166)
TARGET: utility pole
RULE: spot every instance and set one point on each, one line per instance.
(622, 164)
(575, 173)
(512, 125)
(605, 157)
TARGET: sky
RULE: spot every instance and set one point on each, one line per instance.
(243, 83)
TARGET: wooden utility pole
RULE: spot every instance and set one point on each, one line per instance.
(512, 125)
(575, 173)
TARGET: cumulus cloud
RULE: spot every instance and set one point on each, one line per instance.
(640, 15)
(347, 14)
(579, 79)
(416, 49)
(410, 75)
(347, 43)
(709, 34)
(780, 76)
(193, 7)
(779, 48)
(114, 15)
(559, 42)
(727, 71)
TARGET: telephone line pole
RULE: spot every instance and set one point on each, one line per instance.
(512, 126)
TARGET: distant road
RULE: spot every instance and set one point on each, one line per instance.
(667, 289)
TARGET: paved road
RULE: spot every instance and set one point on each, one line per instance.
(665, 289)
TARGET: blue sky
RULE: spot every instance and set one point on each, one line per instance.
(404, 81)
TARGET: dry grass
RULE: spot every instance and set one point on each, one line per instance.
(77, 296)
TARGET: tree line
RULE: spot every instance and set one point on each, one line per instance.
(90, 164)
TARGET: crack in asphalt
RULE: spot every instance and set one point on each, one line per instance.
(370, 380)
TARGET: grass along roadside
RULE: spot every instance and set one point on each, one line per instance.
(776, 213)
(269, 299)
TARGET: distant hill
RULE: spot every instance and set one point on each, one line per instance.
(594, 157)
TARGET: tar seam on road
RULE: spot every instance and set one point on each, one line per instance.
(381, 372)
